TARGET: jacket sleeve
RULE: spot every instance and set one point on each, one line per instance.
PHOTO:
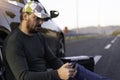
(51, 58)
(17, 62)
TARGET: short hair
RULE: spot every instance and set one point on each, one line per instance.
(21, 15)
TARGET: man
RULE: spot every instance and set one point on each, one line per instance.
(26, 52)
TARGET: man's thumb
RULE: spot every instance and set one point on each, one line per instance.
(66, 65)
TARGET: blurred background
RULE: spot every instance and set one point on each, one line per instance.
(91, 28)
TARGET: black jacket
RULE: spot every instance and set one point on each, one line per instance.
(26, 58)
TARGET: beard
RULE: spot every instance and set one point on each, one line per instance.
(32, 31)
(35, 29)
(38, 27)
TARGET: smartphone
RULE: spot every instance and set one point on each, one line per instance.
(73, 64)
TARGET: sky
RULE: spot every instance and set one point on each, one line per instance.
(83, 13)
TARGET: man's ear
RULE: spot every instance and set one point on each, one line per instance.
(25, 16)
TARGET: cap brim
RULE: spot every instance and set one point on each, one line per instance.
(41, 15)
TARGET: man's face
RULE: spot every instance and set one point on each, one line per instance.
(33, 23)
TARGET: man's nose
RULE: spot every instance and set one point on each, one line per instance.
(39, 21)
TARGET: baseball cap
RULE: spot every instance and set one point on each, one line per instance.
(36, 8)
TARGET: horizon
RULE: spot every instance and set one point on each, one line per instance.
(99, 26)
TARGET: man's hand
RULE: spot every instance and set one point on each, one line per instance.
(66, 71)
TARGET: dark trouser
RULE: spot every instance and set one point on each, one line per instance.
(84, 74)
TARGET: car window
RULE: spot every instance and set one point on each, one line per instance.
(14, 25)
(10, 14)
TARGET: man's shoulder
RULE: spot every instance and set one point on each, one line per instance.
(12, 39)
(13, 36)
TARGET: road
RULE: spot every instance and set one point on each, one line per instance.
(106, 51)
